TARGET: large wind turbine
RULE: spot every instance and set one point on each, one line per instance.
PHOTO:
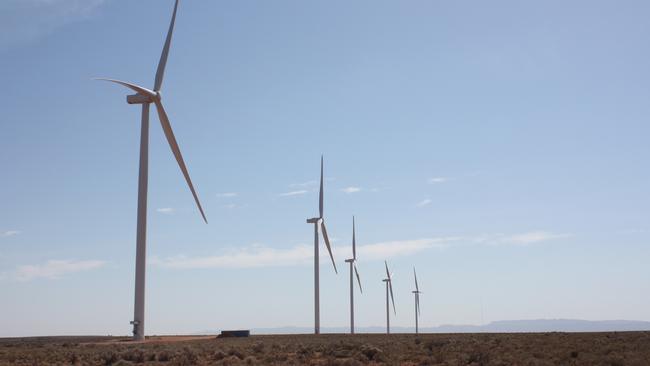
(353, 266)
(417, 293)
(319, 222)
(145, 97)
(389, 289)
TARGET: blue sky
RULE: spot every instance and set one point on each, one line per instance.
(499, 147)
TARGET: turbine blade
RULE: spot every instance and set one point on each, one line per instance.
(135, 88)
(390, 286)
(167, 128)
(356, 271)
(160, 73)
(417, 302)
(320, 192)
(387, 273)
(354, 241)
(327, 243)
(416, 280)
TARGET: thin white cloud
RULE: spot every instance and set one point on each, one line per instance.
(423, 203)
(437, 180)
(304, 184)
(310, 183)
(261, 256)
(165, 210)
(255, 256)
(54, 269)
(9, 233)
(633, 231)
(399, 248)
(227, 195)
(532, 237)
(522, 239)
(27, 20)
(230, 206)
(351, 189)
(293, 193)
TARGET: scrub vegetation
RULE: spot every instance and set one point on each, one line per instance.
(607, 349)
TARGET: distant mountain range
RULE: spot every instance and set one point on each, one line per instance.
(502, 326)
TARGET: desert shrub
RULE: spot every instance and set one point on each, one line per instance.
(479, 358)
(186, 357)
(164, 356)
(218, 355)
(371, 352)
(250, 360)
(236, 353)
(337, 351)
(231, 360)
(122, 363)
(258, 347)
(276, 357)
(109, 358)
(303, 350)
(134, 355)
(434, 344)
(349, 362)
(616, 362)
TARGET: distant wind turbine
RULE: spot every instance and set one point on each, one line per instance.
(389, 289)
(417, 293)
(145, 97)
(319, 222)
(353, 266)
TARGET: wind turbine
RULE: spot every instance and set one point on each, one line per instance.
(389, 288)
(353, 265)
(319, 221)
(146, 97)
(417, 293)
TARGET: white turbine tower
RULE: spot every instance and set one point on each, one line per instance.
(353, 266)
(145, 97)
(389, 289)
(319, 221)
(417, 293)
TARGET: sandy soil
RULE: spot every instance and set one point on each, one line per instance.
(606, 349)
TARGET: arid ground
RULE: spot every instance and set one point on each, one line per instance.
(625, 348)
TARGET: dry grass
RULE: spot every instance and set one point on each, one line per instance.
(607, 349)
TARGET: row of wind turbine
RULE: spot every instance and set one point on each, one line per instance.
(146, 97)
(389, 290)
(319, 222)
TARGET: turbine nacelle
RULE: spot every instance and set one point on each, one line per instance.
(142, 99)
(315, 220)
